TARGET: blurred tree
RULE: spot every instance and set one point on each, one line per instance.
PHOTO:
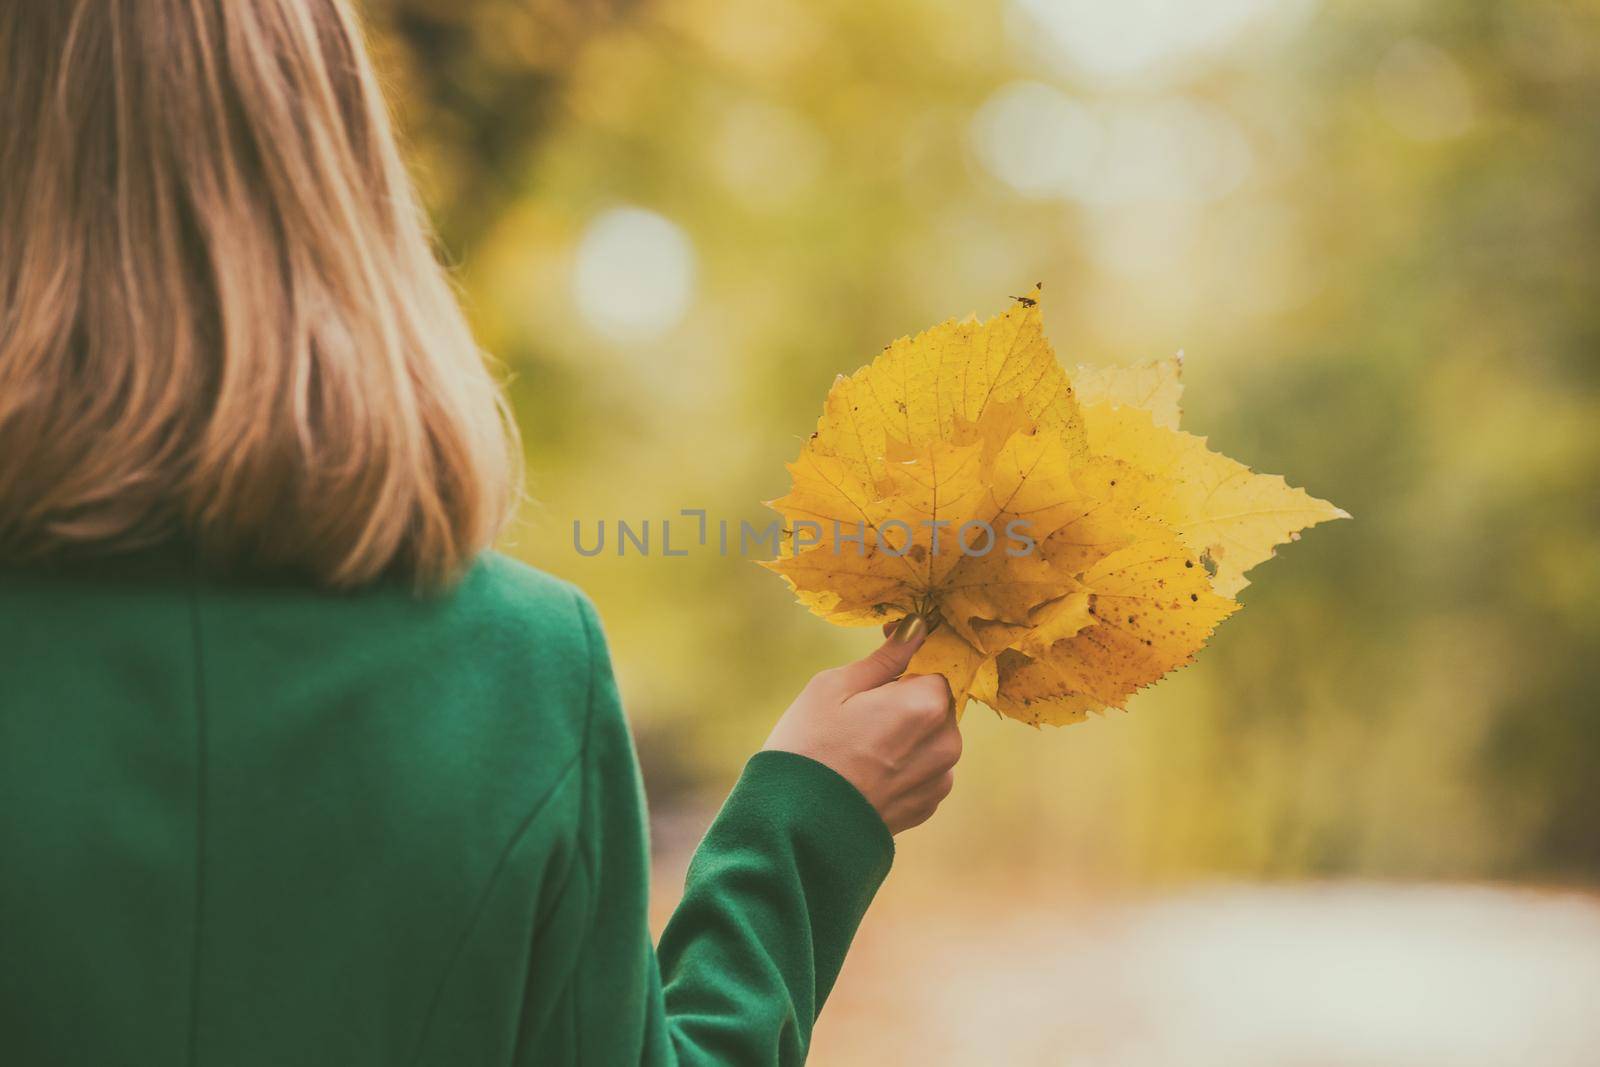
(1444, 386)
(476, 81)
(1396, 306)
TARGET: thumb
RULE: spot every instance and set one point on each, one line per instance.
(888, 661)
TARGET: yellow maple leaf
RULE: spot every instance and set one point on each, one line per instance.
(921, 389)
(1057, 533)
(1150, 609)
(930, 536)
(1227, 514)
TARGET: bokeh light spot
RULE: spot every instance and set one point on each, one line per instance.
(1035, 139)
(1423, 92)
(1042, 143)
(634, 274)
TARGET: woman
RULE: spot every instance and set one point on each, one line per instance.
(293, 770)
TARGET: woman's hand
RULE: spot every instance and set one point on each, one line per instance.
(895, 739)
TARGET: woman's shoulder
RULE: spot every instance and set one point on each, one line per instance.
(531, 639)
(517, 594)
(507, 609)
(506, 633)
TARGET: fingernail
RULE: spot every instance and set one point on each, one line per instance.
(911, 627)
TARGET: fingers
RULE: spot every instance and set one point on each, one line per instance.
(918, 807)
(887, 662)
(920, 705)
(892, 736)
(927, 699)
(923, 697)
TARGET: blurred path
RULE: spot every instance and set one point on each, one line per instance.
(1322, 976)
(1342, 975)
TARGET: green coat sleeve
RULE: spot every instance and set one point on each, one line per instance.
(773, 896)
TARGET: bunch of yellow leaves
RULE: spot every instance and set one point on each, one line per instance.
(1070, 544)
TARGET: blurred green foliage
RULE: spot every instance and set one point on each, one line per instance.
(1383, 269)
(478, 81)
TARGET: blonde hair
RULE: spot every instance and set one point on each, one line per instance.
(220, 314)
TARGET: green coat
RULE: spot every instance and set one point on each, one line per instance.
(246, 822)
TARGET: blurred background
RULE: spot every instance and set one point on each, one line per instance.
(1365, 827)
